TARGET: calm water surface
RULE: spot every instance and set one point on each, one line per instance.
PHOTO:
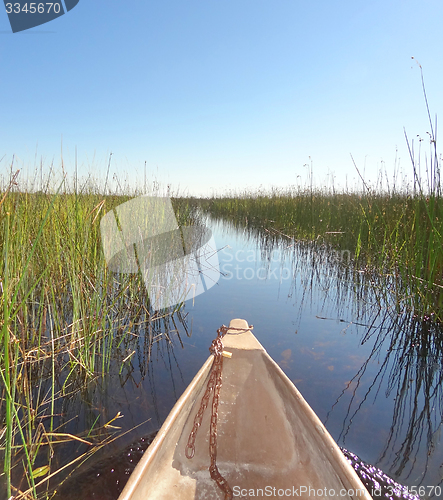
(330, 337)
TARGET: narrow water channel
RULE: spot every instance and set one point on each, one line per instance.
(371, 374)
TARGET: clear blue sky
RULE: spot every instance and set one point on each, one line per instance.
(221, 94)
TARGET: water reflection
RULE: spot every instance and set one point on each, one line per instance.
(410, 373)
(368, 368)
(390, 407)
(89, 417)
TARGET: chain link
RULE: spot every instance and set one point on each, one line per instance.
(214, 385)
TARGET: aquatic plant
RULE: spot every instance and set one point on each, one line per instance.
(390, 231)
(65, 317)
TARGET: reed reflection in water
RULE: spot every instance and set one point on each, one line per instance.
(390, 407)
(361, 362)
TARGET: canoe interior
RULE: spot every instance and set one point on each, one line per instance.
(268, 436)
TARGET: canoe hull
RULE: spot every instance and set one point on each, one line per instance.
(269, 439)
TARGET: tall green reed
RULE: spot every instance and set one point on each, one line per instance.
(12, 303)
(391, 231)
(63, 314)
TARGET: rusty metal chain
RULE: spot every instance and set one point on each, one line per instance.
(214, 385)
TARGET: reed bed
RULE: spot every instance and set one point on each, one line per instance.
(65, 317)
(391, 231)
(397, 236)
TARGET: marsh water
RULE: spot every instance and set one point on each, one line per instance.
(371, 372)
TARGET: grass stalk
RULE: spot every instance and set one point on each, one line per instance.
(64, 318)
(6, 375)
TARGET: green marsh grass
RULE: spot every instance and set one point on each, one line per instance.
(398, 236)
(392, 232)
(65, 317)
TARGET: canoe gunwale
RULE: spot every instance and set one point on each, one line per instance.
(150, 453)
